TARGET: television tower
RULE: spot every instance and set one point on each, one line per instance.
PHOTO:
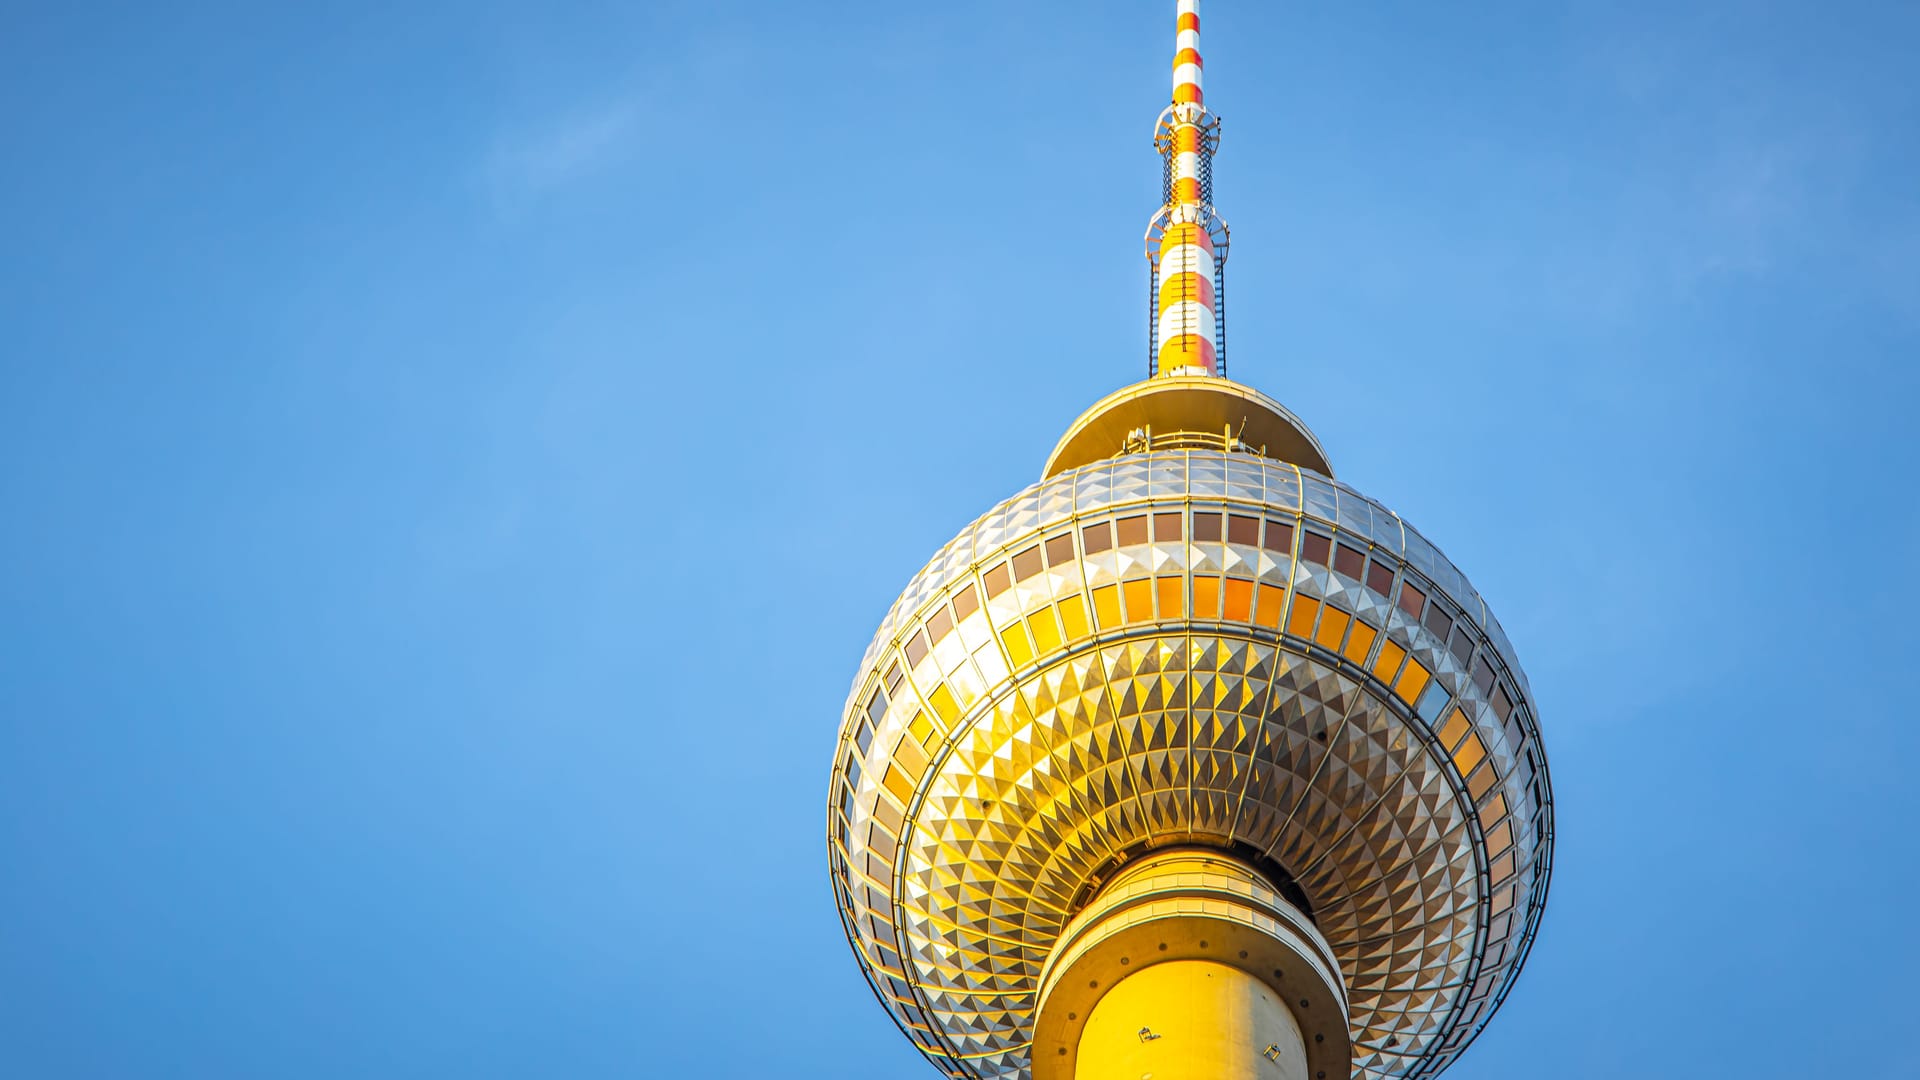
(1189, 760)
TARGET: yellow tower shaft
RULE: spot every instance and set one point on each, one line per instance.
(1190, 965)
(1191, 1020)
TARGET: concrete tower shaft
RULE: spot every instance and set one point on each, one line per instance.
(1190, 963)
(1210, 1021)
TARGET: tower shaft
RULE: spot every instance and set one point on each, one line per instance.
(1191, 1020)
(1191, 965)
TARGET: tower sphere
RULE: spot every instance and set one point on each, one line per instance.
(1189, 719)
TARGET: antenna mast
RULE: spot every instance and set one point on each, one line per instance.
(1187, 240)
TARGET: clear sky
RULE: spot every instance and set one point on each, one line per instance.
(454, 455)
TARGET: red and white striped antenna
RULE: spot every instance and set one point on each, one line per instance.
(1187, 240)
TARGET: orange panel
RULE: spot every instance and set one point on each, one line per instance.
(1173, 597)
(897, 783)
(1106, 606)
(1411, 682)
(1388, 661)
(1139, 596)
(1206, 597)
(1273, 601)
(1240, 601)
(1333, 627)
(1300, 622)
(1470, 754)
(1359, 642)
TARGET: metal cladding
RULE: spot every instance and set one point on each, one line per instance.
(1189, 647)
(1186, 242)
(1198, 642)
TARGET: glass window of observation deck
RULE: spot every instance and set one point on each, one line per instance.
(1411, 599)
(1315, 548)
(1026, 563)
(1060, 550)
(998, 580)
(1349, 562)
(1380, 578)
(966, 603)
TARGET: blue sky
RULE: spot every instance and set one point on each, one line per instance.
(454, 458)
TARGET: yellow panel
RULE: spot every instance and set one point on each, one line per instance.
(1240, 601)
(1073, 615)
(1139, 597)
(1300, 621)
(942, 701)
(922, 730)
(1495, 809)
(1333, 627)
(908, 758)
(1106, 604)
(1206, 597)
(1470, 754)
(1388, 661)
(1272, 602)
(1046, 632)
(1018, 650)
(1455, 727)
(1173, 596)
(897, 783)
(1359, 641)
(1411, 682)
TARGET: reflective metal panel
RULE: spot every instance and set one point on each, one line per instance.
(1189, 647)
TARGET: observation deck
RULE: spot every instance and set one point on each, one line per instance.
(1189, 648)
